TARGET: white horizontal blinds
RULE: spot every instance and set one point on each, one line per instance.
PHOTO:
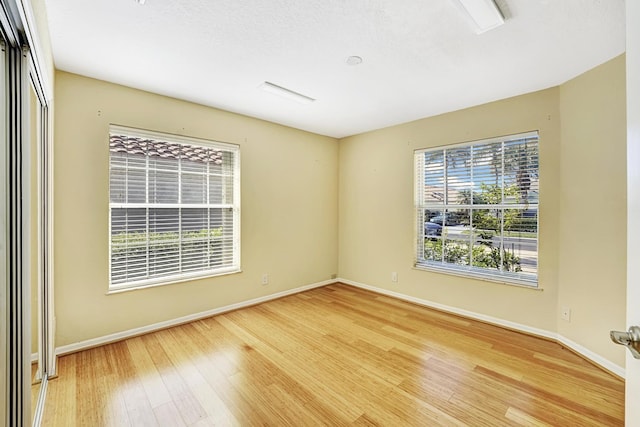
(521, 170)
(458, 182)
(434, 178)
(455, 246)
(172, 209)
(487, 173)
(477, 207)
(522, 189)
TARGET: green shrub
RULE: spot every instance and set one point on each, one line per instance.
(484, 255)
(139, 243)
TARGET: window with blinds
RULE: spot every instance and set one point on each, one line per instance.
(174, 208)
(477, 209)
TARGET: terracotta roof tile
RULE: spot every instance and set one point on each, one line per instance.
(166, 150)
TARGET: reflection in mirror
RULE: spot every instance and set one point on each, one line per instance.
(36, 373)
(4, 305)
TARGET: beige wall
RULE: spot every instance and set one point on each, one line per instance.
(289, 208)
(377, 217)
(592, 255)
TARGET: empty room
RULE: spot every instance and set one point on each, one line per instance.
(296, 213)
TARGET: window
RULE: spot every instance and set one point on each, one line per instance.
(477, 209)
(174, 208)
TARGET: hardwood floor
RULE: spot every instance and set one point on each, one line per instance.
(336, 355)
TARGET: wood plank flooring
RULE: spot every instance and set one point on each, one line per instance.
(335, 355)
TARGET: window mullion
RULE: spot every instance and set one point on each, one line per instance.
(471, 237)
(420, 202)
(446, 203)
(502, 210)
(501, 247)
(126, 213)
(180, 211)
(146, 198)
(208, 210)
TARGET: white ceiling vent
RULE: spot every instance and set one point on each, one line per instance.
(484, 13)
(286, 93)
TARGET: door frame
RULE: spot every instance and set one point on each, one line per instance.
(632, 369)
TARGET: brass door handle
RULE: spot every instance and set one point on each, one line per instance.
(630, 339)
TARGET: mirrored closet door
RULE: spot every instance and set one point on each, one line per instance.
(34, 280)
(42, 355)
(27, 358)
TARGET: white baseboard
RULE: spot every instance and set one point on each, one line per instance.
(583, 351)
(119, 336)
(595, 358)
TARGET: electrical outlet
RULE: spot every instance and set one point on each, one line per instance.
(394, 276)
(265, 279)
(566, 314)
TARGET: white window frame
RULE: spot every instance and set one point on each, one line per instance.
(234, 266)
(421, 205)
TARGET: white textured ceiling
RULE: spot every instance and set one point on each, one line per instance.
(421, 57)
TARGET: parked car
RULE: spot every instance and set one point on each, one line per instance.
(446, 219)
(432, 229)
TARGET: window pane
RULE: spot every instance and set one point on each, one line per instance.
(194, 254)
(521, 222)
(487, 174)
(136, 157)
(164, 255)
(228, 159)
(221, 189)
(163, 156)
(222, 226)
(458, 175)
(487, 222)
(434, 215)
(136, 184)
(118, 185)
(194, 159)
(163, 186)
(117, 159)
(457, 251)
(227, 195)
(486, 255)
(128, 244)
(194, 221)
(164, 221)
(521, 233)
(458, 217)
(118, 221)
(194, 188)
(434, 177)
(520, 175)
(164, 245)
(128, 220)
(216, 189)
(432, 223)
(433, 249)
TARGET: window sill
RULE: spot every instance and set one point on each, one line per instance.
(528, 284)
(164, 281)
